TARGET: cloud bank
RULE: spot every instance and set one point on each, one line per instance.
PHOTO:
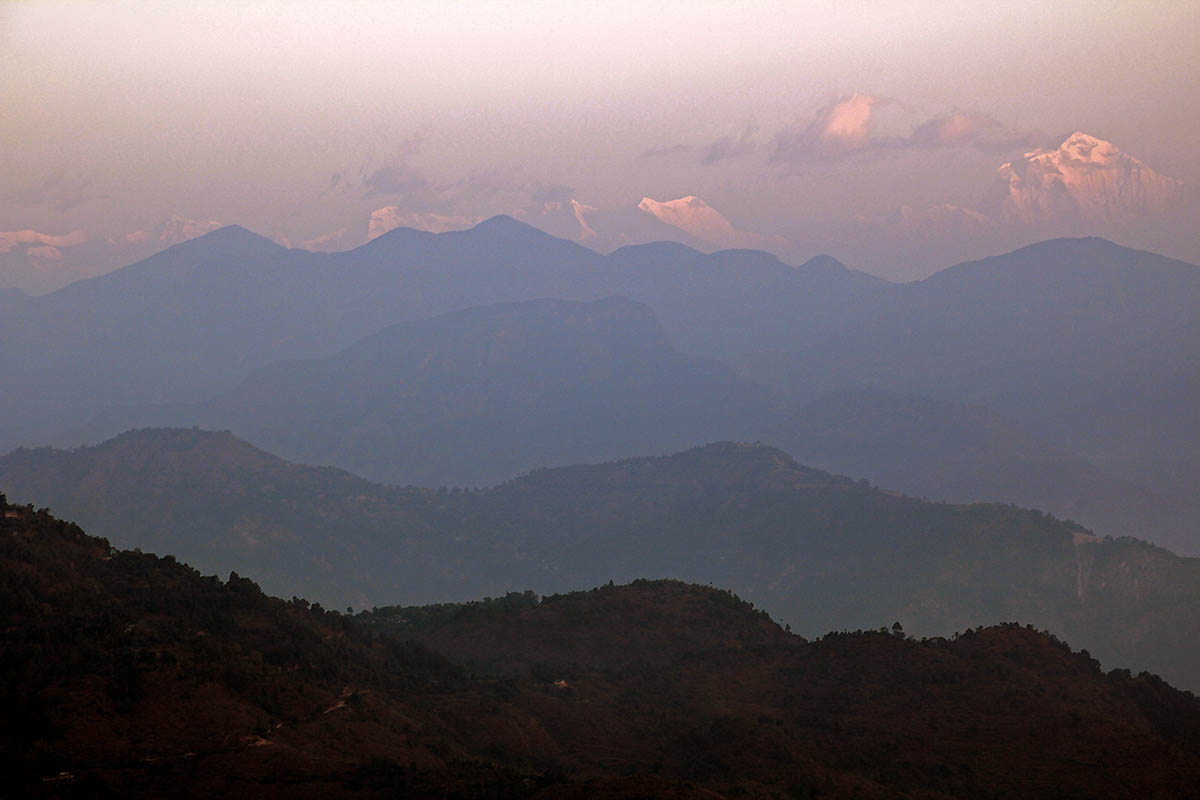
(847, 125)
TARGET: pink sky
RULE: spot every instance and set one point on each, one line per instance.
(816, 126)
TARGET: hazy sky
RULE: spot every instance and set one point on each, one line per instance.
(809, 121)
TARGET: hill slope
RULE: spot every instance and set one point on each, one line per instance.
(127, 674)
(817, 551)
(1093, 347)
(476, 397)
(479, 396)
(963, 453)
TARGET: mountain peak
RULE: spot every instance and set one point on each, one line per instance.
(692, 215)
(691, 201)
(233, 237)
(655, 251)
(503, 230)
(1085, 179)
(1083, 147)
(824, 262)
(389, 218)
(506, 223)
(1093, 260)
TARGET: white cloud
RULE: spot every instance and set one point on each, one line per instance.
(841, 127)
(847, 125)
(848, 120)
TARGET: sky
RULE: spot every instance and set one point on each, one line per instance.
(870, 131)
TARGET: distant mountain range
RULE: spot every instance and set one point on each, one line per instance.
(476, 397)
(1083, 185)
(1066, 189)
(1091, 348)
(195, 319)
(687, 220)
(967, 453)
(479, 396)
(37, 262)
(818, 551)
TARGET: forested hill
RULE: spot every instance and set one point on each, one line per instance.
(128, 674)
(817, 551)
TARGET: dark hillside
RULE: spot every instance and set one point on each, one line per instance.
(127, 674)
(815, 550)
(660, 621)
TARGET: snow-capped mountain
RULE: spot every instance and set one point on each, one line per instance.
(173, 230)
(35, 240)
(1084, 179)
(603, 229)
(40, 262)
(698, 219)
(391, 217)
(693, 215)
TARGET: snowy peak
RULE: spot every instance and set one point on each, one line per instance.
(10, 240)
(692, 215)
(580, 210)
(1080, 148)
(389, 218)
(173, 230)
(178, 229)
(1084, 179)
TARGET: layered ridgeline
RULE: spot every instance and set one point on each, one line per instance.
(1093, 347)
(193, 320)
(480, 396)
(126, 674)
(817, 551)
(965, 453)
(1090, 347)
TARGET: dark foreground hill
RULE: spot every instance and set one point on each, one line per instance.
(817, 551)
(128, 675)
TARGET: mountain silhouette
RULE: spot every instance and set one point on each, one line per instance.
(1072, 339)
(187, 686)
(818, 551)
